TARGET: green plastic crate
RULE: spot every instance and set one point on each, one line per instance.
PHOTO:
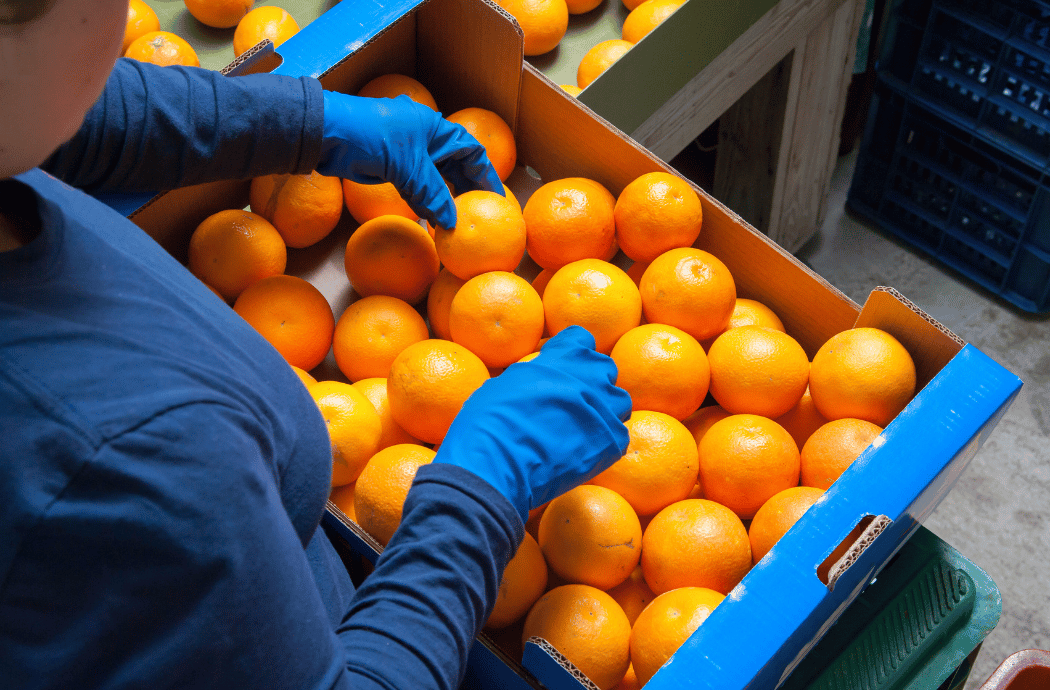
(918, 626)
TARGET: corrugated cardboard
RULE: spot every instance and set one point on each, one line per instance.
(469, 53)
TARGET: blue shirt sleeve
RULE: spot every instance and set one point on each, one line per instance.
(158, 128)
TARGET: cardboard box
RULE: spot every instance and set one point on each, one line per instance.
(469, 53)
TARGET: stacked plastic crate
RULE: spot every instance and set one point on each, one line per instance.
(955, 159)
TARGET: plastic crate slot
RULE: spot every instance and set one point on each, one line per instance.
(972, 262)
(911, 227)
(994, 18)
(1039, 224)
(1030, 276)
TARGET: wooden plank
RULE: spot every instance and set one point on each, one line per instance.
(729, 76)
(821, 70)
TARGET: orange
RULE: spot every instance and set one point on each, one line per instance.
(656, 212)
(368, 201)
(489, 235)
(596, 295)
(141, 20)
(343, 498)
(631, 4)
(666, 624)
(633, 595)
(162, 48)
(581, 6)
(305, 377)
(543, 22)
(637, 270)
(219, 14)
(391, 255)
(230, 250)
(588, 627)
(756, 370)
(354, 428)
(689, 289)
(372, 332)
(571, 89)
(777, 516)
(261, 23)
(568, 220)
(532, 524)
(493, 133)
(663, 368)
(511, 198)
(428, 384)
(597, 60)
(292, 315)
(700, 421)
(630, 681)
(303, 208)
(695, 543)
(745, 460)
(647, 17)
(660, 466)
(539, 283)
(439, 302)
(832, 448)
(749, 312)
(591, 535)
(498, 316)
(863, 373)
(802, 419)
(392, 434)
(394, 85)
(380, 492)
(524, 581)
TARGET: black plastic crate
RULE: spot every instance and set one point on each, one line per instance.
(957, 196)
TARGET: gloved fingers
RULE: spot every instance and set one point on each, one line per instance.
(569, 338)
(428, 195)
(462, 159)
(571, 350)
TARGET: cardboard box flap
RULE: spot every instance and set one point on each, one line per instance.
(552, 668)
(930, 344)
(811, 308)
(895, 477)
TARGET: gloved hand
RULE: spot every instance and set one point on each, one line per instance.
(375, 140)
(542, 427)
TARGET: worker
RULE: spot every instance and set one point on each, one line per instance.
(163, 472)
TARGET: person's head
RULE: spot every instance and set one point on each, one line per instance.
(55, 56)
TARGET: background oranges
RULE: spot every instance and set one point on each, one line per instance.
(663, 368)
(660, 466)
(665, 624)
(428, 384)
(656, 212)
(588, 627)
(292, 315)
(381, 489)
(303, 208)
(695, 543)
(219, 14)
(261, 23)
(745, 460)
(543, 22)
(647, 17)
(141, 20)
(162, 48)
(372, 332)
(498, 316)
(596, 295)
(232, 249)
(354, 428)
(391, 255)
(863, 373)
(568, 220)
(591, 535)
(597, 60)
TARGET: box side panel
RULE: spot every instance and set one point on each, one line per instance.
(558, 137)
(392, 51)
(172, 217)
(340, 31)
(781, 608)
(470, 54)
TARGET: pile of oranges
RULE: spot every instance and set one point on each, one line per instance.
(734, 432)
(144, 40)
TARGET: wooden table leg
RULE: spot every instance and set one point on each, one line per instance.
(779, 142)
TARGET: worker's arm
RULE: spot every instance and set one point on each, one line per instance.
(157, 128)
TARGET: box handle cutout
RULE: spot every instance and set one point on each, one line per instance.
(849, 549)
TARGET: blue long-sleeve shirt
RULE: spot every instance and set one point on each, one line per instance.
(162, 469)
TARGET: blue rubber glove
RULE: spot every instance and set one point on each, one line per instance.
(375, 140)
(545, 426)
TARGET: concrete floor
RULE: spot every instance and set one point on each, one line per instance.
(998, 515)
